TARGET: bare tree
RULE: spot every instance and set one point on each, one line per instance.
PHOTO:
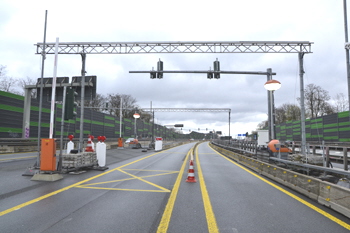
(7, 84)
(280, 114)
(22, 83)
(341, 103)
(327, 109)
(98, 103)
(293, 112)
(2, 71)
(316, 101)
(287, 112)
(114, 105)
(262, 125)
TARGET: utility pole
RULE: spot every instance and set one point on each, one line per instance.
(347, 51)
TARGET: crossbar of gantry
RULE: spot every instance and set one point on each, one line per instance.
(187, 109)
(176, 47)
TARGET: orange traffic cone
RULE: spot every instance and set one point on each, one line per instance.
(190, 177)
(89, 145)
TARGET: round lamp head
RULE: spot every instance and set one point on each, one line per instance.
(136, 115)
(272, 85)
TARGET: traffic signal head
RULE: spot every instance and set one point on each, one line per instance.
(160, 69)
(217, 69)
(209, 75)
(153, 75)
(70, 104)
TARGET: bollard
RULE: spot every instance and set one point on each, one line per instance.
(313, 149)
(345, 158)
(70, 144)
(327, 156)
(101, 151)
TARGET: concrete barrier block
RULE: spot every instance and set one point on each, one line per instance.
(335, 197)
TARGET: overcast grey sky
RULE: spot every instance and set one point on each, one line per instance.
(318, 21)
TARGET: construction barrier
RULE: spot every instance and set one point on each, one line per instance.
(89, 145)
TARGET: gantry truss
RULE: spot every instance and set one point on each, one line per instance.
(176, 47)
(187, 109)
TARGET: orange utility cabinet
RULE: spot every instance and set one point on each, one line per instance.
(120, 142)
(48, 155)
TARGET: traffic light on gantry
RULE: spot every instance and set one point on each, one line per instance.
(160, 69)
(216, 69)
(209, 75)
(71, 104)
(153, 75)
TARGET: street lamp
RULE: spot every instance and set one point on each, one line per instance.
(136, 116)
(272, 85)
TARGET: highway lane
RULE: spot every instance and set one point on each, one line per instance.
(147, 192)
(243, 201)
(129, 197)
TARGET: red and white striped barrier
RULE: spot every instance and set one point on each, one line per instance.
(89, 145)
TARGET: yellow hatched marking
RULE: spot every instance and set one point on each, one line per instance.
(132, 178)
(135, 190)
(17, 207)
(146, 181)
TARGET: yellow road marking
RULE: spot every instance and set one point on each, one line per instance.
(146, 181)
(322, 212)
(211, 221)
(164, 222)
(114, 181)
(145, 170)
(18, 158)
(136, 190)
(69, 187)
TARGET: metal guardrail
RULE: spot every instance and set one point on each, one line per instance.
(251, 150)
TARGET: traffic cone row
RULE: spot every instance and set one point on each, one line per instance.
(190, 177)
(89, 145)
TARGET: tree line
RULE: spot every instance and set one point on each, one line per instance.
(317, 103)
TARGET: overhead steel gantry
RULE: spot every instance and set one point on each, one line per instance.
(176, 47)
(83, 48)
(187, 109)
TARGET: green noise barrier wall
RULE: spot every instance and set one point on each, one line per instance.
(331, 128)
(95, 123)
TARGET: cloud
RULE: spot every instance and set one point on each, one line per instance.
(22, 25)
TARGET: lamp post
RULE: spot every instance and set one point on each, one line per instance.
(136, 116)
(272, 85)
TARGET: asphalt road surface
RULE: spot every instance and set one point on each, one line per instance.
(147, 192)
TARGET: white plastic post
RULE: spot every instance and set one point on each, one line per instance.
(70, 146)
(158, 144)
(101, 151)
